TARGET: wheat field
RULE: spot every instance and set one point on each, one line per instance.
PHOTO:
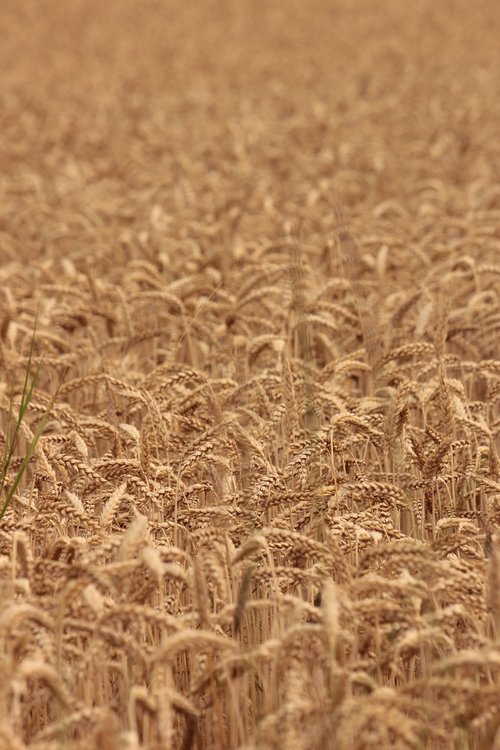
(258, 247)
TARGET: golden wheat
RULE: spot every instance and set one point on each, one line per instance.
(261, 243)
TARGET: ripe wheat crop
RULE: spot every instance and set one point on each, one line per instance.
(259, 245)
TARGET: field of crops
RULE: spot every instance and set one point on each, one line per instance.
(260, 245)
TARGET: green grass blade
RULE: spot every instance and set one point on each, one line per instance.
(26, 460)
(9, 441)
(12, 436)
